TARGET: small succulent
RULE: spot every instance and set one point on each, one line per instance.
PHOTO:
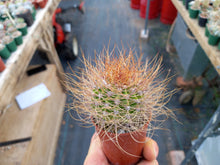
(204, 5)
(216, 5)
(195, 4)
(119, 94)
(214, 28)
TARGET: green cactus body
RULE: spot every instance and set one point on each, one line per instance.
(116, 106)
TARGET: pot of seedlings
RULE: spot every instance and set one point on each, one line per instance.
(216, 5)
(10, 43)
(28, 5)
(214, 33)
(17, 35)
(3, 13)
(194, 7)
(25, 14)
(120, 95)
(203, 18)
(4, 52)
(11, 29)
(22, 27)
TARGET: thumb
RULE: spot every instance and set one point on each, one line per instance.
(95, 154)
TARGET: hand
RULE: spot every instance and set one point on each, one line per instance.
(96, 156)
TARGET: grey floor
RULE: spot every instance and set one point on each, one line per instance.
(114, 22)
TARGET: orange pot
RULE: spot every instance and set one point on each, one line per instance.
(42, 3)
(124, 150)
(2, 65)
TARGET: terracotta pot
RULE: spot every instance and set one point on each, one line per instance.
(2, 65)
(124, 150)
(42, 3)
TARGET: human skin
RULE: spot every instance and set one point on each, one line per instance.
(96, 155)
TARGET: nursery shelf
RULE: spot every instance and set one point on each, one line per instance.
(40, 35)
(37, 126)
(212, 52)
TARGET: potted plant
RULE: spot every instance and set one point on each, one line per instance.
(24, 13)
(203, 18)
(4, 52)
(120, 96)
(216, 5)
(10, 43)
(17, 35)
(22, 27)
(205, 5)
(214, 33)
(11, 29)
(194, 7)
(3, 12)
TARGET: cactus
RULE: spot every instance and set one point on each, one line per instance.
(195, 4)
(216, 4)
(119, 94)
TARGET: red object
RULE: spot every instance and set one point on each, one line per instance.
(81, 5)
(60, 37)
(35, 4)
(154, 11)
(116, 153)
(2, 65)
(135, 4)
(42, 3)
(168, 12)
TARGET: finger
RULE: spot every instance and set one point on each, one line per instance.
(95, 154)
(146, 162)
(151, 150)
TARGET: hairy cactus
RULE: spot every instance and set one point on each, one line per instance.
(119, 94)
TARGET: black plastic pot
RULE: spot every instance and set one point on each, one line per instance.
(202, 21)
(27, 16)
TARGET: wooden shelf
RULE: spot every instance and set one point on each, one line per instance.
(39, 34)
(40, 122)
(211, 51)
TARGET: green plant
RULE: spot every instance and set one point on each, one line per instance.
(214, 29)
(216, 4)
(119, 94)
(204, 5)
